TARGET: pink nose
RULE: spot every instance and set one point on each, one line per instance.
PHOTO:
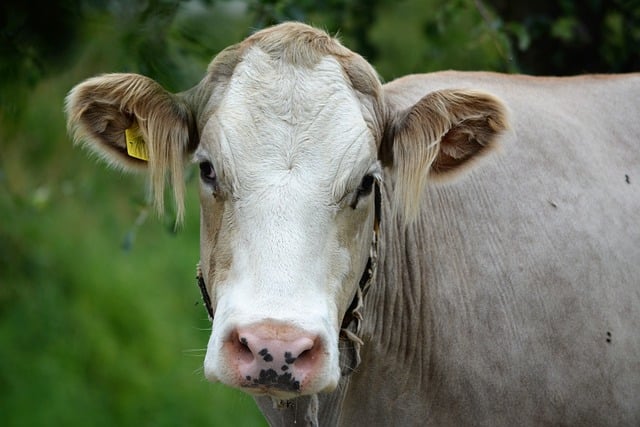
(271, 356)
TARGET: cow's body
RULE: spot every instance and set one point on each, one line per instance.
(515, 297)
(512, 298)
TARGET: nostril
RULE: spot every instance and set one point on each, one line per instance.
(305, 360)
(305, 355)
(244, 344)
(241, 347)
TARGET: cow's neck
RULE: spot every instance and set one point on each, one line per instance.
(396, 312)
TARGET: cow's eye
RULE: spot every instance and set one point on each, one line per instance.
(207, 173)
(364, 189)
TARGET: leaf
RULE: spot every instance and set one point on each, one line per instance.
(565, 28)
(521, 34)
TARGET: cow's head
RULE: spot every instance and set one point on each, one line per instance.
(291, 132)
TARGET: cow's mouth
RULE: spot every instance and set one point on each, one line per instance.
(269, 379)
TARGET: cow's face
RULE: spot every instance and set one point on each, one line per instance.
(288, 163)
(287, 129)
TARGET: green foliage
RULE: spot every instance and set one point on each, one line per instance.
(429, 35)
(26, 55)
(572, 37)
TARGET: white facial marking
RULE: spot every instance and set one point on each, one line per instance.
(288, 143)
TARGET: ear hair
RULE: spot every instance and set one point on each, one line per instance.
(441, 134)
(100, 109)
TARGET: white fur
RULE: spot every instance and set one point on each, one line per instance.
(290, 146)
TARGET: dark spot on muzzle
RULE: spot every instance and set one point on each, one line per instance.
(289, 358)
(270, 378)
(265, 355)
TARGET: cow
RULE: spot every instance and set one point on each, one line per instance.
(453, 248)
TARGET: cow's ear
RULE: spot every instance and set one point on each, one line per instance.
(132, 122)
(439, 136)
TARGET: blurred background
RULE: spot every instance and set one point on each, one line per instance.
(101, 322)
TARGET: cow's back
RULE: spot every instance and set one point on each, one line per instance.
(515, 297)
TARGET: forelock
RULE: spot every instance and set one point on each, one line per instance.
(297, 44)
(305, 46)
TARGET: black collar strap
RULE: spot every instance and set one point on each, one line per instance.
(203, 291)
(352, 321)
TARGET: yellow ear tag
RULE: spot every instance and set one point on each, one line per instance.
(136, 147)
